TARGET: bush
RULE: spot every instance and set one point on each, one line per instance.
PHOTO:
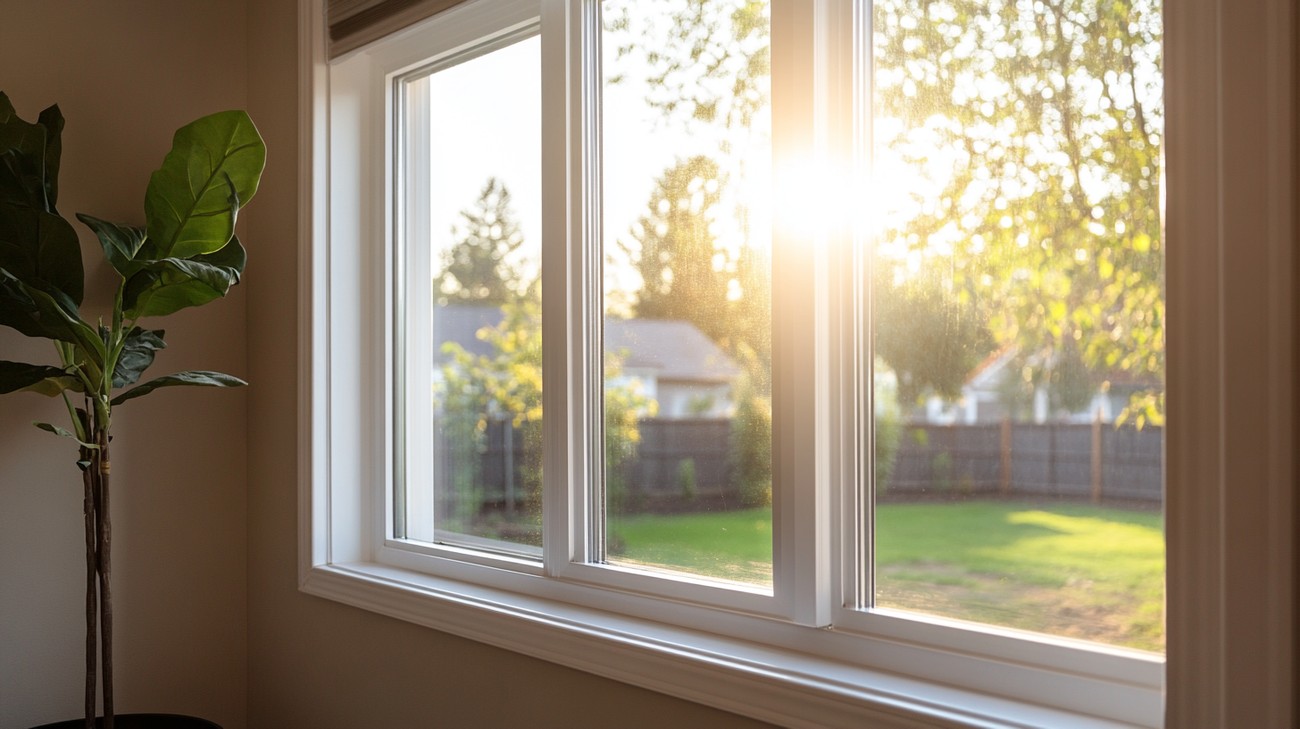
(889, 431)
(751, 450)
(686, 479)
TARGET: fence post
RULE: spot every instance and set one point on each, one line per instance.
(1004, 487)
(1096, 458)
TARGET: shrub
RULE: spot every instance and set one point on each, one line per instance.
(888, 433)
(751, 450)
(686, 479)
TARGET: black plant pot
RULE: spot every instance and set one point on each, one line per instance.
(139, 721)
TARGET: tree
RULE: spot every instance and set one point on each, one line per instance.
(1042, 125)
(705, 64)
(479, 268)
(926, 334)
(507, 384)
(705, 58)
(677, 256)
(1049, 214)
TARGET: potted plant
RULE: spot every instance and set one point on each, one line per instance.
(186, 254)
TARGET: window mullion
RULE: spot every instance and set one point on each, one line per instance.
(570, 323)
(800, 493)
(844, 54)
(413, 508)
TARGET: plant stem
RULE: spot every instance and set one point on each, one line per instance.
(105, 571)
(88, 480)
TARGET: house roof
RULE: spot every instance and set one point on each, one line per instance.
(672, 349)
(988, 373)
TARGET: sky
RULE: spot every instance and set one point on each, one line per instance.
(486, 122)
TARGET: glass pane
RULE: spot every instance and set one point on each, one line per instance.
(1018, 302)
(687, 275)
(483, 234)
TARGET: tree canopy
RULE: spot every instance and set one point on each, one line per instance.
(1023, 145)
(1040, 125)
(480, 268)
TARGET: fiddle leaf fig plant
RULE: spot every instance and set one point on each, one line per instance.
(185, 254)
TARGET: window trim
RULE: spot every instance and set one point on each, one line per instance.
(1230, 575)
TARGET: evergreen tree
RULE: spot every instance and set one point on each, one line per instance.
(479, 268)
(684, 275)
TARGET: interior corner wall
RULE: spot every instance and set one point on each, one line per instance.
(126, 74)
(315, 663)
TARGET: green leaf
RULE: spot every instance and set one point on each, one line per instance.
(41, 249)
(52, 120)
(195, 378)
(66, 434)
(213, 168)
(36, 245)
(121, 243)
(22, 161)
(55, 386)
(137, 355)
(171, 284)
(50, 315)
(18, 311)
(15, 376)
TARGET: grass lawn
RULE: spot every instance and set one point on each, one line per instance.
(1067, 569)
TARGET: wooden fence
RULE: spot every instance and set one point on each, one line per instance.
(1092, 462)
(1095, 462)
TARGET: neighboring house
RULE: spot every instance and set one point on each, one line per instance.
(670, 361)
(985, 397)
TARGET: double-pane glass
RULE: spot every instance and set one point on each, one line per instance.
(686, 131)
(1018, 309)
(472, 264)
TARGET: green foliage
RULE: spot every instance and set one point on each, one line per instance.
(37, 246)
(706, 69)
(709, 61)
(941, 470)
(1049, 216)
(192, 378)
(675, 251)
(15, 376)
(888, 433)
(751, 448)
(625, 405)
(503, 384)
(928, 334)
(686, 275)
(479, 269)
(686, 479)
(507, 383)
(186, 255)
(1043, 126)
(212, 170)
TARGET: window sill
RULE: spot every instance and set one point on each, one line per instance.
(763, 682)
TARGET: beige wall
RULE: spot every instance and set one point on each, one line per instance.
(126, 74)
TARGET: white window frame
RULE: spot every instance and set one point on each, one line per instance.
(1230, 524)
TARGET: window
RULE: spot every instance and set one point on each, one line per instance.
(470, 428)
(438, 493)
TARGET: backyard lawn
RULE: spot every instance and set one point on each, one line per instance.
(1067, 569)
